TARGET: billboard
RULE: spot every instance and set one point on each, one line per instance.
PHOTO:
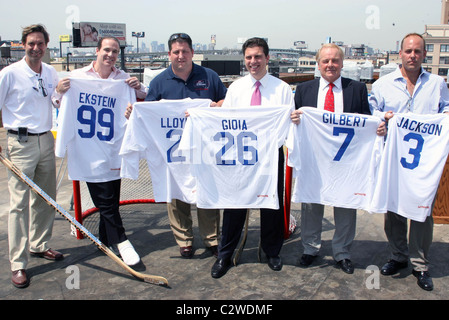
(65, 38)
(300, 44)
(87, 34)
(223, 68)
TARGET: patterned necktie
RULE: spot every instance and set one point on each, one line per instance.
(256, 99)
(329, 102)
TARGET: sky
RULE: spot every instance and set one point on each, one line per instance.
(376, 23)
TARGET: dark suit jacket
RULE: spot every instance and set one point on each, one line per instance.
(355, 95)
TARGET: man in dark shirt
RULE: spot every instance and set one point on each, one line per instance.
(185, 79)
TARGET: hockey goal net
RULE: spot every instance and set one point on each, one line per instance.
(132, 192)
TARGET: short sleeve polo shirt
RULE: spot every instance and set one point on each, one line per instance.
(203, 83)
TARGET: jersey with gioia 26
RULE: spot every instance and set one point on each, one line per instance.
(235, 154)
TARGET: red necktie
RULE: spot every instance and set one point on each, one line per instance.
(329, 102)
(256, 99)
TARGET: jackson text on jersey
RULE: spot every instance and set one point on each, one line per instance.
(416, 126)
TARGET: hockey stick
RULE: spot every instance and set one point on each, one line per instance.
(243, 242)
(146, 278)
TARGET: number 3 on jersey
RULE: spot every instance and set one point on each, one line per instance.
(415, 152)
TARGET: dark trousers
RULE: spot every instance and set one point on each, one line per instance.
(271, 224)
(106, 197)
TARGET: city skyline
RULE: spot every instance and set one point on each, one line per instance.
(378, 24)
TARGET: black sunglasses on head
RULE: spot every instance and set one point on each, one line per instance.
(180, 35)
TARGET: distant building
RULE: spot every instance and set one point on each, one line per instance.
(445, 12)
(437, 44)
(12, 50)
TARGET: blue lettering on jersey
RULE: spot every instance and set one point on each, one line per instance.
(234, 124)
(415, 126)
(247, 155)
(96, 100)
(349, 120)
(173, 123)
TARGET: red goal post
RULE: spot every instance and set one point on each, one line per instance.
(132, 192)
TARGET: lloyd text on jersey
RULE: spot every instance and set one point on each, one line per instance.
(173, 123)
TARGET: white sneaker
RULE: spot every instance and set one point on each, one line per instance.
(129, 255)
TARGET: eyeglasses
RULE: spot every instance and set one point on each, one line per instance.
(41, 87)
(180, 35)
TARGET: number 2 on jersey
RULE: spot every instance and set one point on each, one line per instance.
(241, 149)
(172, 151)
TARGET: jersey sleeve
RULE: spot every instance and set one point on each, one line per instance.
(132, 148)
(284, 124)
(65, 121)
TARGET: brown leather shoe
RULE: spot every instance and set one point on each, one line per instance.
(19, 279)
(49, 255)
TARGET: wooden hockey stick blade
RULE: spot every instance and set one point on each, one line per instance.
(141, 276)
(243, 242)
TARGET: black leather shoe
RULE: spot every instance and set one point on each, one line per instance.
(220, 267)
(392, 267)
(346, 265)
(275, 263)
(306, 260)
(424, 280)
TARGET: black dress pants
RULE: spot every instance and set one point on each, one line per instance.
(106, 197)
(271, 224)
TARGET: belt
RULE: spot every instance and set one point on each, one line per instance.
(29, 133)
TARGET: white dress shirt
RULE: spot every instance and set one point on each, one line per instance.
(273, 91)
(338, 94)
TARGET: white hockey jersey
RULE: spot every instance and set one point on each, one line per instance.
(335, 157)
(235, 154)
(91, 125)
(415, 153)
(153, 133)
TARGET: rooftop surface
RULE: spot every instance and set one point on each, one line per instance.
(100, 278)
